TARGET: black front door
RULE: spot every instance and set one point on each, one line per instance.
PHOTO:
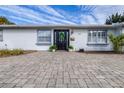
(61, 39)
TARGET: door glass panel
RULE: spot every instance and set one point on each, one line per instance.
(61, 36)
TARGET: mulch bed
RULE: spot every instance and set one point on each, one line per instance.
(99, 52)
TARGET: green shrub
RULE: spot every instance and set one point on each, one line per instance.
(52, 47)
(70, 47)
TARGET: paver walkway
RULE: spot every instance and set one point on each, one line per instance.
(62, 70)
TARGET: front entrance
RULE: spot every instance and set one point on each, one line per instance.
(61, 39)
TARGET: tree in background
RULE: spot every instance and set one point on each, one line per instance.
(4, 20)
(115, 18)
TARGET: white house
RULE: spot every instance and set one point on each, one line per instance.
(41, 37)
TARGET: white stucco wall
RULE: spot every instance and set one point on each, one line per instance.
(81, 38)
(21, 38)
(27, 38)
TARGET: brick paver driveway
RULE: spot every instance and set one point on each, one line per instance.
(62, 69)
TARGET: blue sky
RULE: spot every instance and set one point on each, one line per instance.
(59, 14)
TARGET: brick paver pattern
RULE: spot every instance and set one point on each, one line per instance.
(62, 70)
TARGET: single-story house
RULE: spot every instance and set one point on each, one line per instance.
(41, 37)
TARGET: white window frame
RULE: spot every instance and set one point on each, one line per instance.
(1, 35)
(43, 42)
(98, 40)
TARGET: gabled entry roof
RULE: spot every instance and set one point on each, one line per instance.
(61, 26)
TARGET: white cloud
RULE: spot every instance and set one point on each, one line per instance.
(88, 20)
(50, 10)
(33, 15)
(24, 20)
(22, 12)
(49, 15)
(102, 12)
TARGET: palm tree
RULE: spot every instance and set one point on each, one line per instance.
(118, 42)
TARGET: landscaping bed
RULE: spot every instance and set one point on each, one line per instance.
(14, 52)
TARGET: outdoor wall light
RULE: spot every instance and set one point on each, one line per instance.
(6, 46)
(72, 32)
(72, 38)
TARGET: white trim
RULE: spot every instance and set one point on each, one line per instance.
(97, 42)
(43, 43)
(52, 36)
(61, 29)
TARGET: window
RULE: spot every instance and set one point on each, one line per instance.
(97, 37)
(1, 35)
(44, 37)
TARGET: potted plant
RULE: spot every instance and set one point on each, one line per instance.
(53, 48)
(70, 48)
